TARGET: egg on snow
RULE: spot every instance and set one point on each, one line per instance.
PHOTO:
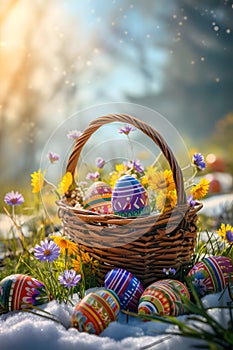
(98, 198)
(128, 288)
(95, 311)
(163, 298)
(129, 197)
(211, 274)
(16, 291)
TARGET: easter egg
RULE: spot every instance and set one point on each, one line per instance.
(163, 298)
(211, 274)
(129, 197)
(128, 288)
(16, 291)
(98, 198)
(95, 311)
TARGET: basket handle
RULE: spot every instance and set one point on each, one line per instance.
(146, 129)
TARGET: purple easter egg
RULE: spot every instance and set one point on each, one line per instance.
(129, 197)
(128, 288)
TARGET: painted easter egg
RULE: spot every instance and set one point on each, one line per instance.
(163, 298)
(211, 274)
(95, 311)
(16, 291)
(129, 197)
(128, 288)
(98, 198)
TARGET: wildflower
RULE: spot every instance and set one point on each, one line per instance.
(13, 198)
(74, 134)
(136, 165)
(53, 157)
(65, 183)
(37, 181)
(69, 278)
(93, 176)
(100, 162)
(162, 181)
(169, 271)
(198, 160)
(84, 260)
(166, 201)
(201, 189)
(126, 129)
(65, 245)
(226, 233)
(46, 251)
(192, 202)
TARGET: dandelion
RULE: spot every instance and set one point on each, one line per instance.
(100, 162)
(65, 245)
(85, 259)
(166, 201)
(46, 251)
(13, 198)
(65, 183)
(126, 129)
(226, 233)
(93, 176)
(37, 181)
(53, 157)
(121, 169)
(69, 278)
(198, 160)
(201, 189)
(74, 134)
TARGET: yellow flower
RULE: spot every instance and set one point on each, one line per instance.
(121, 170)
(65, 183)
(65, 245)
(201, 189)
(161, 180)
(226, 233)
(166, 201)
(37, 181)
(84, 260)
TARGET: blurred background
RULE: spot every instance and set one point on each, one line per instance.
(58, 57)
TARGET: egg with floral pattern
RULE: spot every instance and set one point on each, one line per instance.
(16, 291)
(98, 198)
(211, 274)
(128, 288)
(95, 311)
(129, 197)
(163, 298)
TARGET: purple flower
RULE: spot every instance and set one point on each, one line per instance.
(169, 271)
(192, 202)
(47, 251)
(229, 236)
(13, 198)
(53, 157)
(92, 176)
(137, 166)
(198, 160)
(100, 162)
(69, 278)
(126, 129)
(74, 134)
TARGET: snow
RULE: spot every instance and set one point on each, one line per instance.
(23, 330)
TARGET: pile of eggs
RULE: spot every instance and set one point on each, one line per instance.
(122, 291)
(128, 198)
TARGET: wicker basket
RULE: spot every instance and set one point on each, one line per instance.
(142, 245)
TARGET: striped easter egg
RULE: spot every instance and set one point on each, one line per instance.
(163, 298)
(98, 198)
(16, 291)
(128, 288)
(129, 197)
(95, 311)
(211, 274)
